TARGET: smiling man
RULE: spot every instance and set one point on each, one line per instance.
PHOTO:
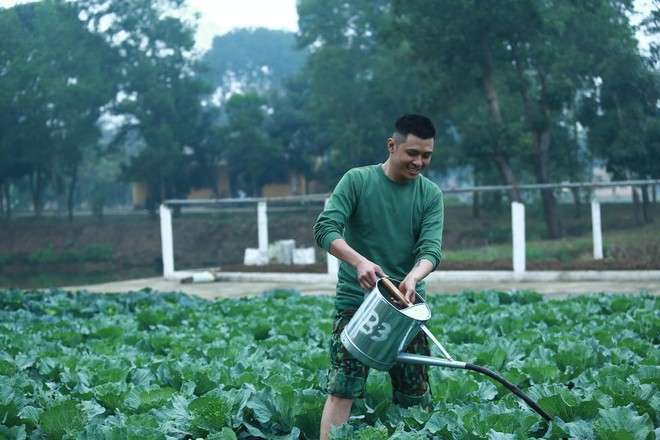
(382, 220)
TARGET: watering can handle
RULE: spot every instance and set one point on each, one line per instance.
(395, 292)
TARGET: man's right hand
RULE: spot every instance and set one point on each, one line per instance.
(367, 271)
(368, 274)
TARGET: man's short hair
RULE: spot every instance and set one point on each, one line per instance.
(415, 124)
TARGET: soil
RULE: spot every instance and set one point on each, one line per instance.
(472, 265)
(131, 244)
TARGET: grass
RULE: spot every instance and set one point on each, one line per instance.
(484, 239)
(623, 243)
(38, 279)
(88, 253)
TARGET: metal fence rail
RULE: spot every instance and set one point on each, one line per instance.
(446, 190)
(264, 204)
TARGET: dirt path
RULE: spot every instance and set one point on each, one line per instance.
(553, 285)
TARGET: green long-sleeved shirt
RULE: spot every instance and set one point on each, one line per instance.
(392, 224)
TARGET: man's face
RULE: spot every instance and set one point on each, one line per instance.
(409, 158)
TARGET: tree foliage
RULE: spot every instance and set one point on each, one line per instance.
(521, 92)
(255, 160)
(357, 85)
(252, 61)
(68, 63)
(505, 79)
(52, 100)
(161, 95)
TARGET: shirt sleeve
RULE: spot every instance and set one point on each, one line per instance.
(331, 222)
(429, 245)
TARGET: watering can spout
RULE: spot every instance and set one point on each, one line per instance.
(427, 360)
(380, 331)
(409, 358)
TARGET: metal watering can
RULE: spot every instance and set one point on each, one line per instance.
(384, 325)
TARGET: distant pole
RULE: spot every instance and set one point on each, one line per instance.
(167, 241)
(333, 262)
(262, 221)
(597, 230)
(518, 229)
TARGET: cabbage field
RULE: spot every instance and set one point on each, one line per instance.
(147, 365)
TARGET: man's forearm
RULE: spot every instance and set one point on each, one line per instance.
(421, 269)
(340, 249)
(408, 285)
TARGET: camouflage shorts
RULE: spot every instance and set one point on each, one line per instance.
(347, 376)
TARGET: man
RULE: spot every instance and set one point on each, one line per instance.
(382, 220)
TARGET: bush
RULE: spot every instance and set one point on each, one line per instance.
(87, 254)
(95, 252)
(43, 256)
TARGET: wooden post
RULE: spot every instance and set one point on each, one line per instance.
(262, 221)
(597, 230)
(518, 229)
(167, 241)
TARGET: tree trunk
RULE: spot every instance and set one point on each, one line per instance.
(577, 203)
(150, 202)
(550, 212)
(541, 142)
(501, 158)
(71, 191)
(36, 188)
(59, 187)
(476, 213)
(646, 206)
(6, 192)
(506, 171)
(636, 206)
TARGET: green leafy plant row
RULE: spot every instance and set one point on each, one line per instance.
(145, 365)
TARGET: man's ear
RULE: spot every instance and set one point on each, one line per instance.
(391, 145)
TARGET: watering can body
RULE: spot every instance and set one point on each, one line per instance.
(380, 330)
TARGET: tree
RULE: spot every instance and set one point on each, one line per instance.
(252, 60)
(13, 48)
(161, 93)
(256, 160)
(529, 59)
(357, 86)
(170, 120)
(90, 77)
(58, 77)
(289, 127)
(256, 73)
(622, 114)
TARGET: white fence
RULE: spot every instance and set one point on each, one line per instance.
(517, 220)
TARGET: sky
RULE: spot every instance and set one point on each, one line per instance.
(221, 16)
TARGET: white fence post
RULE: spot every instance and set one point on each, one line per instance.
(333, 262)
(262, 221)
(167, 241)
(518, 229)
(597, 230)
